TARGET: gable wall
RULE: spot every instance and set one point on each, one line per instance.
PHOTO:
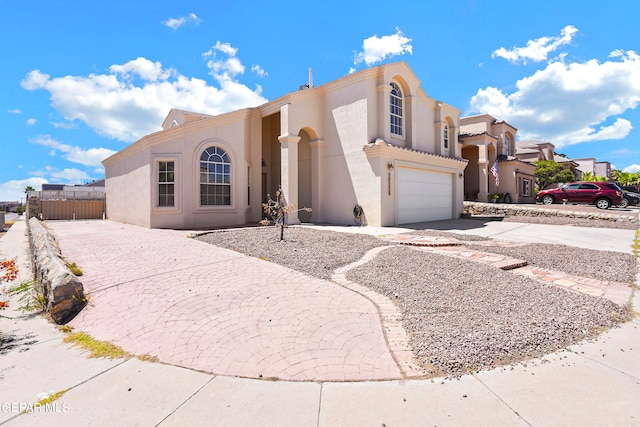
(127, 189)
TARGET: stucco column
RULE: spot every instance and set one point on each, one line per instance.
(289, 173)
(483, 173)
(317, 177)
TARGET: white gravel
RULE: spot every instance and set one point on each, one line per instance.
(459, 319)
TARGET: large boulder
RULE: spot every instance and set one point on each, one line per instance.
(62, 290)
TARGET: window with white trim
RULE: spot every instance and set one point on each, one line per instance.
(395, 103)
(526, 187)
(166, 184)
(215, 177)
(446, 135)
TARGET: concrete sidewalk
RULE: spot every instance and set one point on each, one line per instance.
(591, 384)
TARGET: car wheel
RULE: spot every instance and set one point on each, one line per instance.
(547, 200)
(624, 204)
(603, 203)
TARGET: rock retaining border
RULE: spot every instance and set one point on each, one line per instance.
(502, 209)
(63, 291)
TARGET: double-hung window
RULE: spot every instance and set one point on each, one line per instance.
(166, 184)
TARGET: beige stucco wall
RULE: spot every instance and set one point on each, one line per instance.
(127, 186)
(131, 181)
(311, 141)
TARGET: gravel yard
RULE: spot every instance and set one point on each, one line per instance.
(602, 265)
(458, 321)
(461, 321)
(316, 253)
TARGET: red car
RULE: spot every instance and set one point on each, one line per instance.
(601, 194)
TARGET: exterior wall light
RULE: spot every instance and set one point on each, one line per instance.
(390, 166)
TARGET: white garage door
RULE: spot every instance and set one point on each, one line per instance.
(423, 196)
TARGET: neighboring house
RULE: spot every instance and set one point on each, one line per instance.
(531, 150)
(486, 143)
(9, 206)
(570, 164)
(373, 138)
(590, 165)
(586, 165)
(603, 169)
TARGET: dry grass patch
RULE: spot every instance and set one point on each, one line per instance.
(96, 348)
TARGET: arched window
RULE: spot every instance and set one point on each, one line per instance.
(395, 102)
(215, 177)
(507, 144)
(445, 137)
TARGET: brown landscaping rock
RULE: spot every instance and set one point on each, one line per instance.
(62, 290)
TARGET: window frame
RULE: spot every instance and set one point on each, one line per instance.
(222, 173)
(396, 110)
(526, 187)
(169, 182)
(157, 159)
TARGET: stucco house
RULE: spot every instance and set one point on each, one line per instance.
(590, 165)
(532, 151)
(490, 143)
(373, 138)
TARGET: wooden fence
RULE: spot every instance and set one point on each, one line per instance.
(70, 208)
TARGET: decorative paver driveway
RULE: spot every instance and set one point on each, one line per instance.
(192, 304)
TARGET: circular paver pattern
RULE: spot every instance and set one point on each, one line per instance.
(192, 304)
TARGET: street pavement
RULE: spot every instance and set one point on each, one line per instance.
(323, 356)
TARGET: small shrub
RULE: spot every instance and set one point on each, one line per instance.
(276, 211)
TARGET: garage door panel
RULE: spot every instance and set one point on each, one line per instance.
(423, 196)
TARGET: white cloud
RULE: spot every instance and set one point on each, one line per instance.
(175, 23)
(12, 191)
(87, 157)
(632, 168)
(69, 176)
(537, 50)
(227, 67)
(132, 99)
(143, 68)
(259, 71)
(569, 103)
(31, 121)
(15, 111)
(376, 49)
(64, 125)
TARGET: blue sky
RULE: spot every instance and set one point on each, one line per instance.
(82, 80)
